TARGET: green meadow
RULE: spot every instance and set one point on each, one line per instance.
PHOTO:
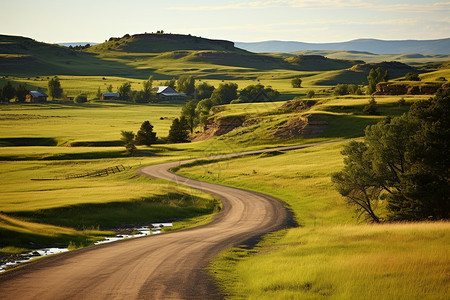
(331, 254)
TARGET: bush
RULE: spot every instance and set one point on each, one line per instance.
(412, 76)
(371, 108)
(81, 98)
(310, 94)
(296, 82)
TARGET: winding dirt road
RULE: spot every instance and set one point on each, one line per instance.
(166, 266)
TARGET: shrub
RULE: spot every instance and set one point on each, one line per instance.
(371, 108)
(81, 98)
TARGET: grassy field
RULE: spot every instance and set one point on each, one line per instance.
(331, 254)
(68, 122)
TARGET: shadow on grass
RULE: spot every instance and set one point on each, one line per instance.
(164, 208)
(27, 141)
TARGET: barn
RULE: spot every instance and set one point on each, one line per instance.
(36, 97)
(167, 93)
(109, 96)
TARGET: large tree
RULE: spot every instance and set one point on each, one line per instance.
(225, 93)
(145, 135)
(179, 131)
(125, 91)
(403, 161)
(189, 113)
(249, 93)
(7, 92)
(186, 84)
(376, 76)
(204, 90)
(54, 88)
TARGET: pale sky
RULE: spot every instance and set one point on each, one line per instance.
(319, 21)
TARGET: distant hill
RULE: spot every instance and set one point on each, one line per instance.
(440, 46)
(158, 43)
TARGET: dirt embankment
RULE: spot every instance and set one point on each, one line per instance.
(218, 126)
(297, 126)
(301, 127)
(390, 88)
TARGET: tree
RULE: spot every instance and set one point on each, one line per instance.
(145, 135)
(371, 108)
(149, 93)
(128, 141)
(172, 82)
(224, 93)
(99, 93)
(249, 93)
(21, 92)
(186, 84)
(296, 82)
(401, 160)
(179, 132)
(202, 109)
(357, 182)
(204, 91)
(8, 91)
(410, 76)
(376, 76)
(54, 88)
(109, 89)
(125, 91)
(189, 113)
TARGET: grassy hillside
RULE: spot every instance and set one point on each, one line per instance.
(26, 57)
(162, 55)
(331, 254)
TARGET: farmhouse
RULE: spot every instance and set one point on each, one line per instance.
(168, 93)
(36, 97)
(109, 96)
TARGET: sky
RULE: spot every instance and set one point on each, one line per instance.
(316, 21)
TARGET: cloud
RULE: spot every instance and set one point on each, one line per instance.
(319, 4)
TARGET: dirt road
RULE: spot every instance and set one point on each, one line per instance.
(167, 266)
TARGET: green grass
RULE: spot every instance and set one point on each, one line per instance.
(399, 261)
(331, 254)
(68, 122)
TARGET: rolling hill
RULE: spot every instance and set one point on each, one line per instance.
(161, 55)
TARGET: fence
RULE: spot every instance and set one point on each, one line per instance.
(97, 173)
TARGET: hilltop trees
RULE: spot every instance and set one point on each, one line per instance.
(402, 161)
(54, 88)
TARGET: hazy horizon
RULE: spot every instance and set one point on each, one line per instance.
(319, 21)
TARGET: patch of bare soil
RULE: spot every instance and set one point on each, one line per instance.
(301, 127)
